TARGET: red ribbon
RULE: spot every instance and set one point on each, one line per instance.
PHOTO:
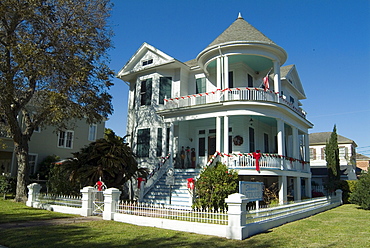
(139, 180)
(257, 155)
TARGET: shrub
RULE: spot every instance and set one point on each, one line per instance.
(7, 185)
(361, 193)
(214, 185)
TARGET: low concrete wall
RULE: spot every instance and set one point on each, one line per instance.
(183, 226)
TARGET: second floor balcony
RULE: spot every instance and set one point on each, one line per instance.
(247, 161)
(233, 94)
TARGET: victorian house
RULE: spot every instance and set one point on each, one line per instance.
(236, 102)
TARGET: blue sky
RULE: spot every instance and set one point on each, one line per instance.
(327, 40)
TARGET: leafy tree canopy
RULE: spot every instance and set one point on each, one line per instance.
(53, 67)
(110, 159)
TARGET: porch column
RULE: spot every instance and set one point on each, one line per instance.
(306, 147)
(277, 83)
(281, 140)
(297, 189)
(219, 73)
(283, 189)
(218, 133)
(171, 142)
(226, 76)
(226, 134)
(295, 143)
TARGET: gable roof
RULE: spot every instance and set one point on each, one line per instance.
(240, 30)
(290, 73)
(146, 52)
(322, 137)
(362, 157)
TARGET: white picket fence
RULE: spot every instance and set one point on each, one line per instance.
(237, 223)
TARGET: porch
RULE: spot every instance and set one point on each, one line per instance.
(232, 94)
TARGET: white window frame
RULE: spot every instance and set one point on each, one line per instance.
(65, 143)
(33, 167)
(93, 128)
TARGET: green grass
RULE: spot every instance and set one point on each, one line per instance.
(345, 226)
(11, 211)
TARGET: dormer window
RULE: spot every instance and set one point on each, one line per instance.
(147, 62)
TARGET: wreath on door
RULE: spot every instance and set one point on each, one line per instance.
(238, 140)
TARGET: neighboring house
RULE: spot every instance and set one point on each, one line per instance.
(48, 141)
(362, 162)
(219, 102)
(347, 157)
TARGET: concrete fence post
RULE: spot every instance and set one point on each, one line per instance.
(87, 200)
(33, 192)
(237, 208)
(111, 199)
(339, 195)
(141, 190)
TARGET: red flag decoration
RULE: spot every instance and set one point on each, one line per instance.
(266, 82)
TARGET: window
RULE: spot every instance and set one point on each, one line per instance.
(312, 154)
(147, 62)
(65, 139)
(167, 141)
(231, 79)
(146, 92)
(343, 152)
(291, 100)
(143, 142)
(159, 142)
(92, 132)
(165, 84)
(251, 140)
(32, 160)
(200, 87)
(323, 155)
(250, 81)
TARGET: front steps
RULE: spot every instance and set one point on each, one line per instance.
(180, 195)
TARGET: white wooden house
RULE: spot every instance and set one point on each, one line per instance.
(219, 105)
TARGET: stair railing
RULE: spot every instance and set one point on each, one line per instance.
(156, 174)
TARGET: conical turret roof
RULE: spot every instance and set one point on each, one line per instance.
(240, 30)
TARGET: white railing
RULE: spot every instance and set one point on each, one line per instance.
(155, 175)
(60, 200)
(234, 94)
(266, 161)
(173, 212)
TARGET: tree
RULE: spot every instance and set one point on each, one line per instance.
(214, 185)
(332, 160)
(53, 68)
(109, 158)
(361, 192)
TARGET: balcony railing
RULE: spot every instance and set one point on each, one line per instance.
(234, 94)
(268, 161)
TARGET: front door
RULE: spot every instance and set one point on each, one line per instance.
(211, 146)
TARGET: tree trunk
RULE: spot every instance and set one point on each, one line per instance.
(21, 150)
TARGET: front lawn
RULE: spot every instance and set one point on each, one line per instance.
(345, 226)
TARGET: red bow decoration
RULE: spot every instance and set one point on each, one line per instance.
(139, 180)
(190, 183)
(100, 185)
(257, 155)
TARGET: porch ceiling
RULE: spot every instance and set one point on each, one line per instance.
(257, 63)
